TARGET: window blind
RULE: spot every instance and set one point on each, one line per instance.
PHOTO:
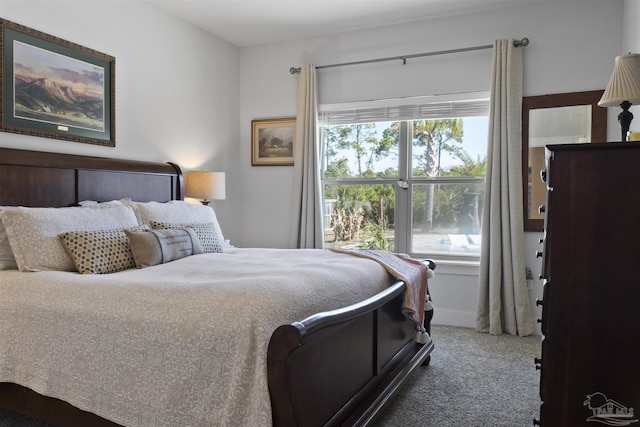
(417, 108)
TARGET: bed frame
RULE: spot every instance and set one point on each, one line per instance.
(333, 368)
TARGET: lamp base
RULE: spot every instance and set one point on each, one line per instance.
(205, 202)
(625, 119)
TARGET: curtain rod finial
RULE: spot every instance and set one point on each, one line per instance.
(523, 42)
(294, 70)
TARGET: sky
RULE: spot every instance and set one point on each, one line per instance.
(34, 62)
(474, 143)
(474, 131)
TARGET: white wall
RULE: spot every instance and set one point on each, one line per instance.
(631, 34)
(567, 53)
(189, 97)
(630, 44)
(176, 86)
(572, 47)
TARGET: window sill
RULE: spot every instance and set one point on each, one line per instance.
(467, 267)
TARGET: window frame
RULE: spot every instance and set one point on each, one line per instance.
(403, 210)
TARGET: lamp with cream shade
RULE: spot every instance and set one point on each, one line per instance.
(205, 185)
(623, 89)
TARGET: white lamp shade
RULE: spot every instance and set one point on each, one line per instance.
(205, 185)
(625, 82)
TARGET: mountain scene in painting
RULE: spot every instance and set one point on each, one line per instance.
(57, 89)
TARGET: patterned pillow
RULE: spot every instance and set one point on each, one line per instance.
(175, 211)
(160, 246)
(206, 232)
(100, 251)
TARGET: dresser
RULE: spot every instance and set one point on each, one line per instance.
(590, 309)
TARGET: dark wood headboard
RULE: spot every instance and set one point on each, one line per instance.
(40, 179)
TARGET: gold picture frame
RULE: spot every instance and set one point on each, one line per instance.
(273, 142)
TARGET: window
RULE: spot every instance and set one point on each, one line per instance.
(405, 177)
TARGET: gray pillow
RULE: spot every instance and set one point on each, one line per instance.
(160, 246)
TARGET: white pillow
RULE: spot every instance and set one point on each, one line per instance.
(33, 232)
(175, 211)
(7, 260)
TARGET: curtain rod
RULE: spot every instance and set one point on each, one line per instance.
(403, 58)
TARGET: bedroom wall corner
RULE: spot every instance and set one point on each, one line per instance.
(176, 86)
(566, 54)
(268, 90)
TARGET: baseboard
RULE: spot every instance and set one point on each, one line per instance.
(464, 319)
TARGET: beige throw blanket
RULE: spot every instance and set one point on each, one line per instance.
(412, 272)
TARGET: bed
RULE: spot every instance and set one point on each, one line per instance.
(335, 361)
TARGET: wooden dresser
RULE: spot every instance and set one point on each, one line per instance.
(590, 360)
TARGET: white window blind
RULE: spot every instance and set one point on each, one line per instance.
(414, 108)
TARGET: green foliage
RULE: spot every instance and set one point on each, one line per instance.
(435, 136)
(338, 169)
(435, 206)
(377, 201)
(458, 206)
(469, 167)
(375, 237)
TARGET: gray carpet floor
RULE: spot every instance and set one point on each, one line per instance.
(473, 380)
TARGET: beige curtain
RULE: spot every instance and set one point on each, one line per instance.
(307, 197)
(503, 300)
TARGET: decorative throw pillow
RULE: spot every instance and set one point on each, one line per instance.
(7, 260)
(159, 246)
(33, 232)
(209, 238)
(175, 211)
(100, 251)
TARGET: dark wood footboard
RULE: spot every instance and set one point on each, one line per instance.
(25, 401)
(337, 368)
(341, 367)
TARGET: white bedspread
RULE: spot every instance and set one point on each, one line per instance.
(179, 344)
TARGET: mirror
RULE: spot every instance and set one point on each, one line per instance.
(564, 118)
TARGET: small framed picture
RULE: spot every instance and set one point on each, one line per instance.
(53, 88)
(272, 142)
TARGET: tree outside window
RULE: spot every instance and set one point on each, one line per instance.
(427, 170)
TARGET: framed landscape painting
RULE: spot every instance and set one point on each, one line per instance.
(53, 88)
(272, 142)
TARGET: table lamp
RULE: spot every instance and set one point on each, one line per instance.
(205, 185)
(623, 89)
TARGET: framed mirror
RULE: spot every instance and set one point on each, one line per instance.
(563, 118)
